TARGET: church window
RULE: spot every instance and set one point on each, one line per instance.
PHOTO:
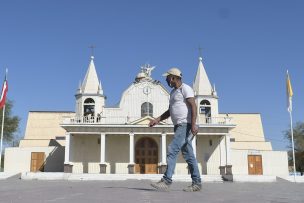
(146, 109)
(205, 108)
(89, 107)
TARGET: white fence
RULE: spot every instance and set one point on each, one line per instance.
(127, 120)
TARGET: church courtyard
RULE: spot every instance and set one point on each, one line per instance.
(16, 190)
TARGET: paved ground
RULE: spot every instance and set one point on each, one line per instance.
(28, 191)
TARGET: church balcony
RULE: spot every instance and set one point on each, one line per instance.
(91, 120)
(95, 120)
(215, 120)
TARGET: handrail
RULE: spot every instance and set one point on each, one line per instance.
(127, 120)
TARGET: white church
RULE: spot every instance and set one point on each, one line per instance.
(117, 140)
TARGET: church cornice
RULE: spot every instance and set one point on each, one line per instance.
(206, 96)
(90, 95)
(124, 129)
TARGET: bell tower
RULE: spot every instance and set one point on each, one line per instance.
(90, 100)
(205, 96)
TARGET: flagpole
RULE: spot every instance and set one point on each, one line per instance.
(3, 115)
(2, 136)
(293, 151)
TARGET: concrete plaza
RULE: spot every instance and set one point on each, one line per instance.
(28, 191)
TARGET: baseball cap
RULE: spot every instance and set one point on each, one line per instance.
(173, 71)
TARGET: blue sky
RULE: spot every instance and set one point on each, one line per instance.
(246, 47)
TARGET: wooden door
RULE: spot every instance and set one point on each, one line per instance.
(37, 161)
(146, 156)
(255, 166)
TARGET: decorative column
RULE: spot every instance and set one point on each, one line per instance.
(163, 164)
(103, 165)
(222, 155)
(131, 154)
(68, 167)
(228, 155)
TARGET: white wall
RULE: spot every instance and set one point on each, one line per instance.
(274, 162)
(208, 156)
(19, 159)
(133, 97)
(84, 149)
(117, 152)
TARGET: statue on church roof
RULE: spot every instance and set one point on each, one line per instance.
(140, 76)
(145, 73)
(147, 69)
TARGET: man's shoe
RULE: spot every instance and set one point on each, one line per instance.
(193, 188)
(161, 185)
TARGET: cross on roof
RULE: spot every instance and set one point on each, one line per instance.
(200, 51)
(92, 47)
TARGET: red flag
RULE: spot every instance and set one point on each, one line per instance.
(3, 93)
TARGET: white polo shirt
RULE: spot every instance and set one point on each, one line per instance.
(180, 112)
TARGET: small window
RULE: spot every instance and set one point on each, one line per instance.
(146, 109)
(60, 137)
(210, 143)
(232, 139)
(205, 108)
(89, 107)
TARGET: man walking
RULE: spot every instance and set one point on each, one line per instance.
(183, 112)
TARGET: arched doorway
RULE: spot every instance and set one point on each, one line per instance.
(146, 156)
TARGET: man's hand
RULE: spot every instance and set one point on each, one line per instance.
(154, 122)
(194, 129)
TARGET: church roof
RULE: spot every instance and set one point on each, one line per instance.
(91, 84)
(202, 85)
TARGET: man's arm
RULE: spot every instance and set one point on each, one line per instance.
(156, 121)
(192, 104)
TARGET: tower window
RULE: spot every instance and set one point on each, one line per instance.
(89, 107)
(146, 109)
(205, 108)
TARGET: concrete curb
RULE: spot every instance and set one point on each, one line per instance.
(254, 178)
(6, 175)
(152, 177)
(112, 177)
(298, 179)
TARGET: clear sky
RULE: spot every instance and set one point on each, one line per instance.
(246, 48)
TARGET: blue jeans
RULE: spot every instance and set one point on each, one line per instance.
(180, 142)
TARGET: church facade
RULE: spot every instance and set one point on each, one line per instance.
(117, 140)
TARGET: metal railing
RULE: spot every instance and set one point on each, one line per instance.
(98, 120)
(127, 120)
(215, 120)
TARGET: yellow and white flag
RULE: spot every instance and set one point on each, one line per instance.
(289, 93)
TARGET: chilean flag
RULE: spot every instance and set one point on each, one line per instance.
(3, 93)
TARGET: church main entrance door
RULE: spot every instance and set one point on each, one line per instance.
(146, 156)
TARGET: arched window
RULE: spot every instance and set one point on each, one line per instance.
(89, 107)
(146, 109)
(205, 108)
